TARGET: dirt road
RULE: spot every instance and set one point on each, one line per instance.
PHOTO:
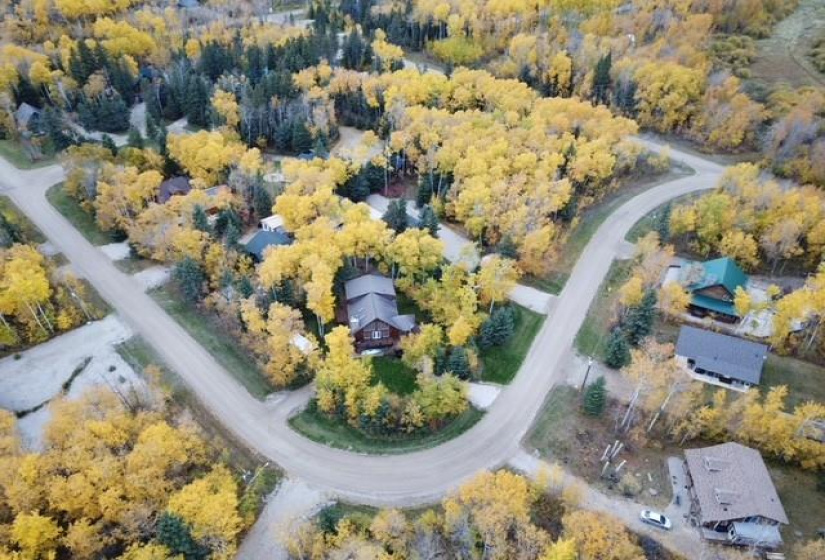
(398, 480)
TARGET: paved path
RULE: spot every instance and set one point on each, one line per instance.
(382, 480)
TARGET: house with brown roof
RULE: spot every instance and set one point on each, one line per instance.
(372, 312)
(733, 499)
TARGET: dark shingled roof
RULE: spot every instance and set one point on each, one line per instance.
(371, 297)
(732, 482)
(262, 240)
(174, 186)
(726, 355)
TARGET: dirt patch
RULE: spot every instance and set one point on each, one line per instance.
(564, 434)
(783, 57)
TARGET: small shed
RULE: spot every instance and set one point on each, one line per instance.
(272, 223)
(27, 117)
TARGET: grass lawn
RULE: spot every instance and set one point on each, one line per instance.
(589, 222)
(803, 503)
(329, 431)
(134, 264)
(394, 374)
(79, 218)
(805, 381)
(206, 330)
(503, 362)
(14, 216)
(14, 153)
(591, 340)
(645, 225)
(564, 434)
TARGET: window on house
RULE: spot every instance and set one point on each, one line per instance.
(376, 335)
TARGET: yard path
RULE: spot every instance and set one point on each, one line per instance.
(399, 480)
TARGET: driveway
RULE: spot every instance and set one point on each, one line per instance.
(410, 479)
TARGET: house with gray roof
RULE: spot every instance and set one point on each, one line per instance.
(372, 312)
(732, 497)
(263, 240)
(721, 359)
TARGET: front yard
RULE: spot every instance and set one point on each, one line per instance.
(501, 363)
(591, 340)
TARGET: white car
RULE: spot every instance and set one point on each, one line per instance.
(656, 519)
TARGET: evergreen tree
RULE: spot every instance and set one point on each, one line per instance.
(595, 397)
(174, 534)
(618, 350)
(109, 144)
(662, 223)
(54, 127)
(639, 322)
(458, 363)
(199, 219)
(602, 80)
(135, 140)
(190, 278)
(196, 103)
(151, 126)
(506, 248)
(232, 234)
(498, 328)
(301, 138)
(396, 215)
(262, 202)
(429, 221)
(245, 287)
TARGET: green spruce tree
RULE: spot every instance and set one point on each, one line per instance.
(618, 350)
(595, 398)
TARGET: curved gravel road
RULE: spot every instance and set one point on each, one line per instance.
(381, 480)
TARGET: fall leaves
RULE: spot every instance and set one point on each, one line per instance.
(105, 476)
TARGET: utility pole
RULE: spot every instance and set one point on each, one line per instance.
(586, 373)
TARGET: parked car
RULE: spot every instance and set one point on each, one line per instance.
(656, 519)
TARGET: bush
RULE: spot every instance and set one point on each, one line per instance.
(629, 486)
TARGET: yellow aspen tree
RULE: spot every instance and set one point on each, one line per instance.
(495, 279)
(209, 505)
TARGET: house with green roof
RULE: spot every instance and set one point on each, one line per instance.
(712, 285)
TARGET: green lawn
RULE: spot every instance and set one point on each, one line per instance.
(501, 363)
(134, 264)
(645, 225)
(79, 218)
(589, 222)
(13, 152)
(805, 381)
(591, 340)
(329, 431)
(803, 502)
(395, 375)
(209, 333)
(14, 216)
